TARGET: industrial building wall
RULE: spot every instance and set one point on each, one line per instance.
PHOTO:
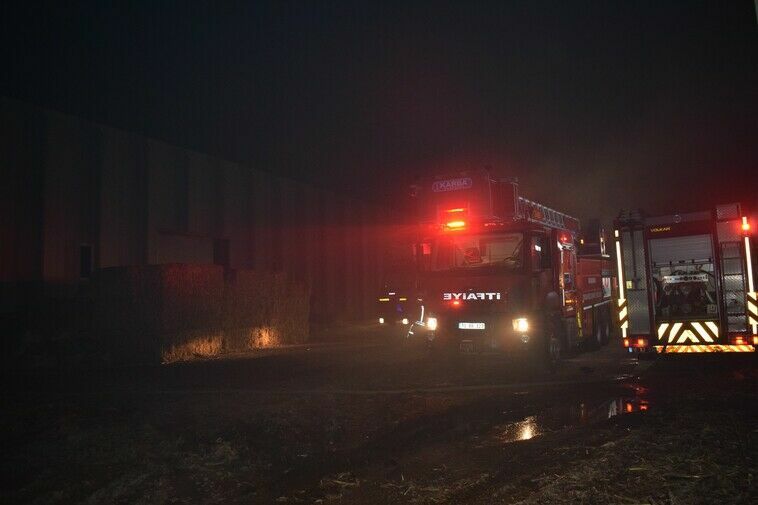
(21, 211)
(77, 188)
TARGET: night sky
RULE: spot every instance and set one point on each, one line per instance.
(593, 105)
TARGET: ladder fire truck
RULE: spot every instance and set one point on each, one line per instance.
(686, 282)
(498, 271)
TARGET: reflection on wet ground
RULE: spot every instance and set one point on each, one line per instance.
(563, 416)
(521, 430)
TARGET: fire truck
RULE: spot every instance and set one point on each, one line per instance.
(686, 282)
(396, 303)
(498, 271)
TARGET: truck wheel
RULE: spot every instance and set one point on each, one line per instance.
(597, 329)
(605, 323)
(553, 343)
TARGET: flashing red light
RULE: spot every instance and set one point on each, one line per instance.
(460, 209)
(456, 303)
(643, 407)
(456, 225)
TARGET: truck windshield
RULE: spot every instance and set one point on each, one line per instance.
(477, 251)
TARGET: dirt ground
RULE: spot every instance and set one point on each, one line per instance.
(382, 423)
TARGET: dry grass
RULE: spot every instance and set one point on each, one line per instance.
(166, 312)
(264, 337)
(694, 458)
(202, 347)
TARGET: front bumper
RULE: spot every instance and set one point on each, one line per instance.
(465, 330)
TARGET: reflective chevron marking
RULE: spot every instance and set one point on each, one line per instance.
(698, 348)
(697, 332)
(623, 313)
(703, 332)
(674, 331)
(662, 330)
(685, 336)
(752, 308)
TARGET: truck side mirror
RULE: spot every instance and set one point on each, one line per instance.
(568, 281)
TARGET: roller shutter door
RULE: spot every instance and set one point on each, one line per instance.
(681, 249)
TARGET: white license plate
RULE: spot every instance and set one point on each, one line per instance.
(470, 326)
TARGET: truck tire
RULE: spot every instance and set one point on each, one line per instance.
(605, 320)
(597, 329)
(593, 339)
(554, 340)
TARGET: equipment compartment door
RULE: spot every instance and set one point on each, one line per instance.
(684, 279)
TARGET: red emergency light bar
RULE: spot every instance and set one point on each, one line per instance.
(453, 218)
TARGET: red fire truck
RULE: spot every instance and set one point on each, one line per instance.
(686, 282)
(495, 270)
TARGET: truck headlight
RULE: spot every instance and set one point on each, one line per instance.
(431, 323)
(521, 325)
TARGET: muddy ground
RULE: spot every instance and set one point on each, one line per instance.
(377, 422)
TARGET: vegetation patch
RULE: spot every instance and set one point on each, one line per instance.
(176, 312)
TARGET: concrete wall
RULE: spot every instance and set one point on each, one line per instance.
(21, 208)
(139, 201)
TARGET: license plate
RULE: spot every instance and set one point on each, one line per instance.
(467, 346)
(470, 326)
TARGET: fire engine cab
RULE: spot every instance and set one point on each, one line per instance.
(498, 271)
(686, 282)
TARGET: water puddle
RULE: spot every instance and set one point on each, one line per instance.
(526, 429)
(569, 415)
